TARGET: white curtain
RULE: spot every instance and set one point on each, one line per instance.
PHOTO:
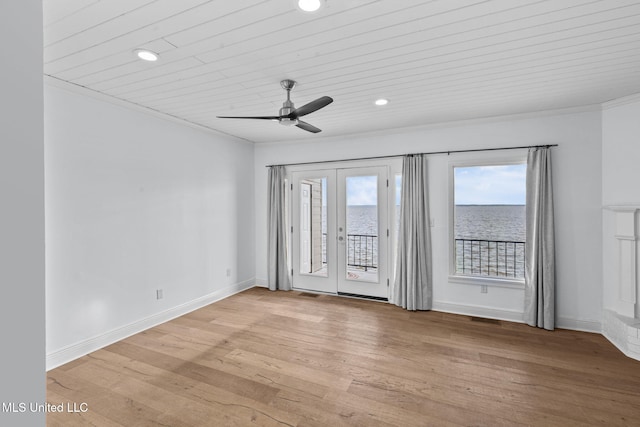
(277, 241)
(539, 276)
(413, 286)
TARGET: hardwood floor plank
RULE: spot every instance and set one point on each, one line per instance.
(574, 376)
(78, 419)
(435, 404)
(343, 409)
(240, 386)
(211, 404)
(285, 359)
(318, 376)
(216, 356)
(102, 401)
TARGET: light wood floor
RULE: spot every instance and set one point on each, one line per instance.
(295, 359)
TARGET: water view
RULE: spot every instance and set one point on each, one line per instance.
(490, 240)
(491, 222)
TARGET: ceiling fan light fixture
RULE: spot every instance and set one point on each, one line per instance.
(382, 101)
(146, 55)
(288, 122)
(309, 5)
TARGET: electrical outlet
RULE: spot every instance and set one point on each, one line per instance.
(159, 294)
(228, 272)
(432, 222)
(484, 289)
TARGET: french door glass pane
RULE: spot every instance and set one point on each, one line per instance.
(313, 223)
(362, 228)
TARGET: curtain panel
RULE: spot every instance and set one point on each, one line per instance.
(278, 269)
(413, 283)
(540, 247)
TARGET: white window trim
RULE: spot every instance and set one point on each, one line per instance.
(479, 159)
(486, 281)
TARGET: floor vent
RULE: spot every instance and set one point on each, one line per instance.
(483, 320)
(308, 294)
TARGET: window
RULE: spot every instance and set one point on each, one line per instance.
(488, 235)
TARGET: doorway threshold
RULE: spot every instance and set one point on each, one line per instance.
(369, 297)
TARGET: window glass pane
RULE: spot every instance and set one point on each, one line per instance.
(362, 228)
(489, 221)
(313, 226)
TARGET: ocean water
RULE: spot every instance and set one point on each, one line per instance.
(491, 222)
(362, 220)
(494, 223)
(480, 222)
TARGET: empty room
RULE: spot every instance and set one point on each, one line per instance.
(320, 212)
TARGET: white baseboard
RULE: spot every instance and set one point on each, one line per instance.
(579, 325)
(72, 352)
(479, 311)
(514, 316)
(623, 332)
(263, 283)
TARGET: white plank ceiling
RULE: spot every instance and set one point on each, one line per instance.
(436, 61)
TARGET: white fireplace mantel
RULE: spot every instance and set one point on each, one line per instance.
(621, 318)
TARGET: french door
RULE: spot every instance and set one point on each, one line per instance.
(340, 231)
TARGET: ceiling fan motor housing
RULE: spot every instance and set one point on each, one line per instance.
(287, 106)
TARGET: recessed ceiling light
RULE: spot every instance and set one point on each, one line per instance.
(146, 55)
(309, 5)
(381, 102)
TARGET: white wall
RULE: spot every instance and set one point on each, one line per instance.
(22, 233)
(620, 152)
(577, 180)
(136, 203)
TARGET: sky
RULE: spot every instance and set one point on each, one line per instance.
(362, 190)
(490, 185)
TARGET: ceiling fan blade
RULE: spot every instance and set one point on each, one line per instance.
(256, 117)
(306, 126)
(311, 107)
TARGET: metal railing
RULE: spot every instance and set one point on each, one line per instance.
(362, 251)
(493, 258)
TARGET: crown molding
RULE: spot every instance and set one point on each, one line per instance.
(622, 207)
(82, 90)
(441, 125)
(625, 100)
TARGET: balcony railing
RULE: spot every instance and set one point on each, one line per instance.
(362, 251)
(492, 258)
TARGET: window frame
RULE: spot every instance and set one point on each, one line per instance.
(493, 159)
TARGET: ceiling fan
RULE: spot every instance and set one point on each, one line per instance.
(289, 115)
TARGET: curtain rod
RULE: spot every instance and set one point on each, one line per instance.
(416, 154)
